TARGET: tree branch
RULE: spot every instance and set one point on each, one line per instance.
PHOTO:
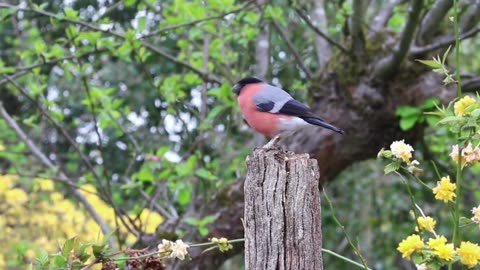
(43, 159)
(356, 24)
(292, 49)
(386, 67)
(471, 18)
(262, 47)
(319, 32)
(22, 70)
(381, 20)
(442, 42)
(471, 84)
(323, 49)
(432, 19)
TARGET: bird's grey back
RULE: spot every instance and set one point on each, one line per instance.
(271, 95)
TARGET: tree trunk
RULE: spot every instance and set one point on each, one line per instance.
(282, 211)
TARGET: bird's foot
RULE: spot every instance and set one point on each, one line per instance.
(271, 145)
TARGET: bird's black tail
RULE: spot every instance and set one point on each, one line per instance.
(320, 122)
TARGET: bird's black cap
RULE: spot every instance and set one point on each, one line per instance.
(247, 80)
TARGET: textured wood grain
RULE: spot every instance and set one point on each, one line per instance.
(282, 212)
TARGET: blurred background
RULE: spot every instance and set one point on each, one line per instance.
(118, 117)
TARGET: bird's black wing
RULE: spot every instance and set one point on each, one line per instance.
(295, 108)
(265, 106)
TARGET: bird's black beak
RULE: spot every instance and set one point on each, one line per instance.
(236, 88)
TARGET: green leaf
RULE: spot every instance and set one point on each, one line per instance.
(42, 256)
(432, 120)
(56, 51)
(406, 111)
(430, 103)
(407, 123)
(39, 46)
(387, 154)
(144, 175)
(430, 63)
(205, 174)
(391, 167)
(203, 231)
(445, 55)
(184, 195)
(207, 220)
(191, 221)
(68, 246)
(141, 22)
(59, 261)
(98, 250)
(70, 13)
(129, 3)
(162, 150)
(449, 119)
(186, 168)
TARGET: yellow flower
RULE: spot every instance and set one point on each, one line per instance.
(409, 245)
(30, 255)
(150, 220)
(223, 241)
(16, 196)
(476, 214)
(440, 240)
(44, 184)
(445, 190)
(2, 147)
(401, 150)
(441, 248)
(7, 181)
(2, 260)
(462, 105)
(445, 251)
(426, 223)
(469, 253)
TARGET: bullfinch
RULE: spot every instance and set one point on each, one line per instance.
(272, 111)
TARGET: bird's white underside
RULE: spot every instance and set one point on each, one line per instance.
(291, 124)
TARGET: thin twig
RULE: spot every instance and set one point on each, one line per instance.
(320, 33)
(292, 49)
(352, 245)
(443, 42)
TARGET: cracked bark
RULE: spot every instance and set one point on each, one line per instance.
(282, 211)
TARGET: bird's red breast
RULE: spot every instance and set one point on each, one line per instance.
(264, 122)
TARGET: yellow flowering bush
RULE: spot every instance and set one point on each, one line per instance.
(464, 121)
(43, 218)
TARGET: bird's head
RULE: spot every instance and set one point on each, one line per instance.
(237, 88)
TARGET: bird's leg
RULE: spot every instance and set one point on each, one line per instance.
(272, 144)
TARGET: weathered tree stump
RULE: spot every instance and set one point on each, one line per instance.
(282, 212)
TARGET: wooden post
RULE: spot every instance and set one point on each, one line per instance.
(282, 212)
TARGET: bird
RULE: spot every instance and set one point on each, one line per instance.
(272, 111)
